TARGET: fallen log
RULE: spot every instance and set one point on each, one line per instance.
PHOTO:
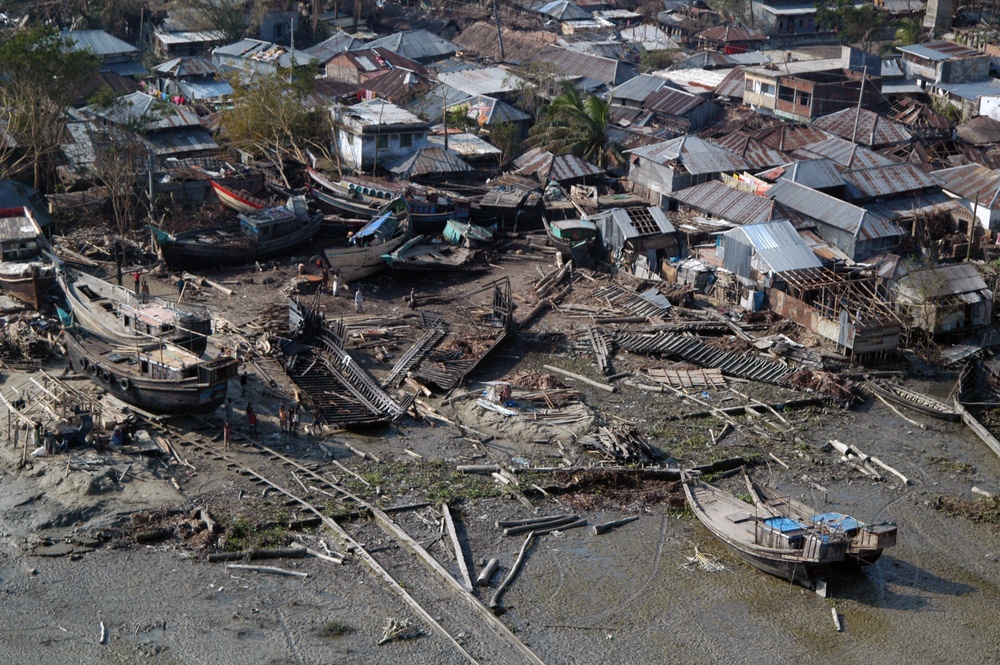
(270, 570)
(608, 526)
(495, 600)
(204, 280)
(562, 527)
(596, 384)
(252, 555)
(739, 410)
(483, 579)
(325, 557)
(477, 468)
(531, 520)
(538, 526)
(408, 506)
(450, 526)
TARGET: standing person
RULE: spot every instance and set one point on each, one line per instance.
(144, 297)
(137, 277)
(324, 284)
(283, 418)
(251, 421)
(227, 435)
(359, 301)
(336, 282)
(229, 410)
(293, 420)
(243, 384)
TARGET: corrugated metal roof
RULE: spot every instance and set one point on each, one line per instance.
(892, 68)
(482, 81)
(464, 143)
(175, 141)
(972, 182)
(903, 208)
(561, 10)
(494, 111)
(891, 180)
(205, 89)
(131, 68)
(844, 153)
(545, 166)
(99, 42)
(695, 154)
(972, 91)
(981, 130)
(813, 173)
(189, 37)
(734, 85)
(729, 34)
(575, 63)
(940, 50)
(848, 217)
(183, 67)
(613, 50)
(428, 161)
(901, 87)
(750, 58)
(721, 201)
(671, 101)
(266, 53)
(705, 59)
(638, 88)
(336, 43)
(419, 45)
(947, 280)
(619, 225)
(392, 84)
(873, 129)
(757, 154)
(140, 106)
(630, 139)
(778, 245)
(650, 37)
(379, 112)
(787, 137)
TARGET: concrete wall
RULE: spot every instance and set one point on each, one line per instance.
(359, 150)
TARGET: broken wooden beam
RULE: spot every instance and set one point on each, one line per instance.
(450, 526)
(591, 382)
(608, 526)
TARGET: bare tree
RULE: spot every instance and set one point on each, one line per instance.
(236, 19)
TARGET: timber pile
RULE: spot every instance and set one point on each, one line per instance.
(617, 296)
(620, 442)
(686, 378)
(554, 398)
(833, 386)
(26, 337)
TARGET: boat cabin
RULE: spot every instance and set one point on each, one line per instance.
(18, 235)
(785, 533)
(574, 230)
(376, 231)
(268, 224)
(168, 362)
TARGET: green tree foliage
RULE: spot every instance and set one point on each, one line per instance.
(859, 24)
(908, 31)
(270, 118)
(42, 77)
(507, 137)
(577, 124)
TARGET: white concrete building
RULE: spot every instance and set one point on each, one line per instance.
(376, 131)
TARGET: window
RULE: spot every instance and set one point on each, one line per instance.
(767, 89)
(383, 142)
(804, 98)
(786, 94)
(406, 140)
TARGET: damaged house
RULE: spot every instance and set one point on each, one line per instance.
(658, 170)
(637, 238)
(376, 131)
(950, 298)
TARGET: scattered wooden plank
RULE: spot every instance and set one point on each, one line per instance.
(495, 600)
(450, 526)
(596, 384)
(608, 526)
(251, 555)
(270, 570)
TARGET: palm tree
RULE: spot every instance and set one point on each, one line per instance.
(579, 125)
(908, 31)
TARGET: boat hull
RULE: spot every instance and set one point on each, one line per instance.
(336, 205)
(234, 200)
(182, 252)
(910, 400)
(31, 290)
(155, 396)
(360, 262)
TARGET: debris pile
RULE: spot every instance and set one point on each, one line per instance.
(25, 337)
(621, 442)
(833, 386)
(529, 380)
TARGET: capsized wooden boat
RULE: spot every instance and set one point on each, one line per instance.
(261, 234)
(911, 399)
(237, 199)
(363, 254)
(465, 233)
(867, 541)
(419, 254)
(337, 205)
(574, 239)
(26, 270)
(779, 546)
(116, 313)
(156, 377)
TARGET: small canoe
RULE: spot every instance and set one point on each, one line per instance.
(237, 200)
(911, 399)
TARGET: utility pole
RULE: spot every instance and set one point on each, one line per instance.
(496, 16)
(861, 96)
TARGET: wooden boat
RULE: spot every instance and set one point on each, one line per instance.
(116, 313)
(779, 546)
(418, 254)
(238, 200)
(157, 377)
(363, 255)
(867, 541)
(260, 235)
(429, 212)
(575, 239)
(353, 188)
(913, 400)
(26, 271)
(336, 205)
(465, 233)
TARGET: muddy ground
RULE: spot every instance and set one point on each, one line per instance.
(630, 596)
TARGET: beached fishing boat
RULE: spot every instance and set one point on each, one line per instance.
(118, 314)
(237, 199)
(156, 376)
(574, 239)
(911, 399)
(430, 211)
(26, 271)
(363, 254)
(779, 546)
(337, 205)
(420, 255)
(867, 541)
(468, 234)
(260, 235)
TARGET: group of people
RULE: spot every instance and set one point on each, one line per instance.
(332, 282)
(288, 417)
